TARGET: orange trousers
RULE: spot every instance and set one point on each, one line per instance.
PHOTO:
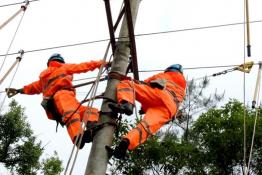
(66, 104)
(154, 103)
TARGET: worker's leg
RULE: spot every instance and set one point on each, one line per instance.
(143, 93)
(88, 114)
(67, 105)
(153, 120)
(90, 117)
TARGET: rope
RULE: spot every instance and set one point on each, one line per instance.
(17, 3)
(90, 104)
(23, 8)
(12, 41)
(138, 35)
(72, 151)
(18, 59)
(246, 67)
(254, 133)
(244, 94)
(80, 79)
(9, 85)
(256, 96)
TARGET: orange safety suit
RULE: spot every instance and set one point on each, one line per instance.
(159, 105)
(56, 82)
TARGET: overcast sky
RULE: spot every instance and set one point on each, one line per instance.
(51, 23)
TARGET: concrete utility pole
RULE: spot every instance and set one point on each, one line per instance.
(98, 159)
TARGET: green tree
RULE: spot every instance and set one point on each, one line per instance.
(52, 165)
(219, 136)
(214, 146)
(196, 101)
(19, 150)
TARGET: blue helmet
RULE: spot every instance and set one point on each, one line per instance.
(174, 68)
(56, 57)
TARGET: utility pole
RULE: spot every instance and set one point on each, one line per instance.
(98, 158)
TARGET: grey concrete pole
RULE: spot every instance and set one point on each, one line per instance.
(98, 158)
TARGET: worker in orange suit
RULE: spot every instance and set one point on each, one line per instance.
(159, 95)
(59, 100)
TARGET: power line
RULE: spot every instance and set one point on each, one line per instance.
(200, 67)
(198, 28)
(13, 38)
(6, 5)
(138, 35)
(62, 46)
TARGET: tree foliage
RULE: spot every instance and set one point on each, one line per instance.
(19, 150)
(219, 135)
(52, 165)
(214, 146)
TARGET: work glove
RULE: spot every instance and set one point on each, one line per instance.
(12, 92)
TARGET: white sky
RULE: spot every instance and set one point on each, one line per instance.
(50, 23)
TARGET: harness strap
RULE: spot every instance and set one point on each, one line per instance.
(173, 95)
(140, 134)
(146, 128)
(118, 76)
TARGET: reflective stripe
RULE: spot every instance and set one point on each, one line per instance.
(146, 128)
(92, 113)
(125, 89)
(180, 89)
(69, 112)
(54, 78)
(71, 122)
(140, 134)
(31, 89)
(174, 84)
(173, 94)
(51, 80)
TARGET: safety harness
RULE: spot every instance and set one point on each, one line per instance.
(51, 111)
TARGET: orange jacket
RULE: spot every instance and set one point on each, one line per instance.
(58, 77)
(175, 81)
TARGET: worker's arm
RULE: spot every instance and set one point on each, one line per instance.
(33, 88)
(83, 67)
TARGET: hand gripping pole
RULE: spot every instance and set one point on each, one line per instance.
(18, 59)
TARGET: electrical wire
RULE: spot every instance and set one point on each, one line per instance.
(138, 35)
(6, 5)
(90, 105)
(12, 41)
(254, 133)
(10, 85)
(244, 92)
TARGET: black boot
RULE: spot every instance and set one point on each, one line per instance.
(124, 107)
(120, 150)
(89, 132)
